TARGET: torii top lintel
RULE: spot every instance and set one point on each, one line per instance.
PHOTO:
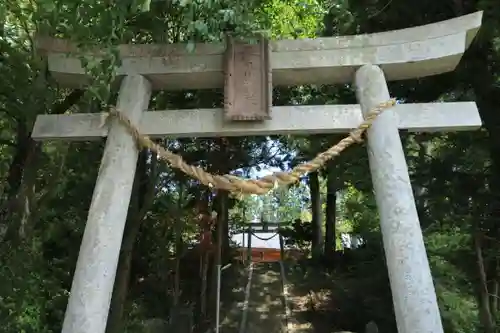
(402, 54)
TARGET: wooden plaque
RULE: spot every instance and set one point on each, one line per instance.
(248, 85)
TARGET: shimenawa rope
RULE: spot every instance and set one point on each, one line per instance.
(240, 186)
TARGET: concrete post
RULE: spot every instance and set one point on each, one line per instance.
(94, 277)
(413, 292)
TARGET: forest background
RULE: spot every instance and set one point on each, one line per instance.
(47, 187)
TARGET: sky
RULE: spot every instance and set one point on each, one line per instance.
(265, 170)
(241, 239)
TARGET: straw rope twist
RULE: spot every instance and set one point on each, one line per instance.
(239, 186)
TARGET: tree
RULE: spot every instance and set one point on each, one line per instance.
(47, 189)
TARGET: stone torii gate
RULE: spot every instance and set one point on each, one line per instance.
(369, 60)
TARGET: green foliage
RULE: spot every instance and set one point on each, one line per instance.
(358, 212)
(47, 188)
(292, 18)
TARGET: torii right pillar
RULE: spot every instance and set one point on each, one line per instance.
(413, 293)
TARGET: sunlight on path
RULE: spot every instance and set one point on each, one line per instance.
(266, 311)
(259, 307)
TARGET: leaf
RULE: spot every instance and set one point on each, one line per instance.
(145, 6)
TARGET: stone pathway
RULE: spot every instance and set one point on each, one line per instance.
(266, 310)
(260, 304)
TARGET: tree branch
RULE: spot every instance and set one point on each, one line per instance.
(70, 100)
(7, 142)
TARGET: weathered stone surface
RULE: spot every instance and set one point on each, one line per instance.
(402, 54)
(414, 297)
(307, 119)
(408, 53)
(94, 276)
(248, 86)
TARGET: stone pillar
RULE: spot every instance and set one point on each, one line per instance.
(413, 292)
(94, 277)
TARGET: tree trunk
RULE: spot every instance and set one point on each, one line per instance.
(221, 240)
(223, 198)
(485, 315)
(24, 148)
(317, 232)
(494, 290)
(205, 220)
(178, 247)
(204, 283)
(142, 197)
(223, 221)
(331, 209)
(480, 73)
(26, 196)
(20, 193)
(18, 196)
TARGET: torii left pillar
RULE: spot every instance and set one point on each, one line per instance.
(94, 277)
